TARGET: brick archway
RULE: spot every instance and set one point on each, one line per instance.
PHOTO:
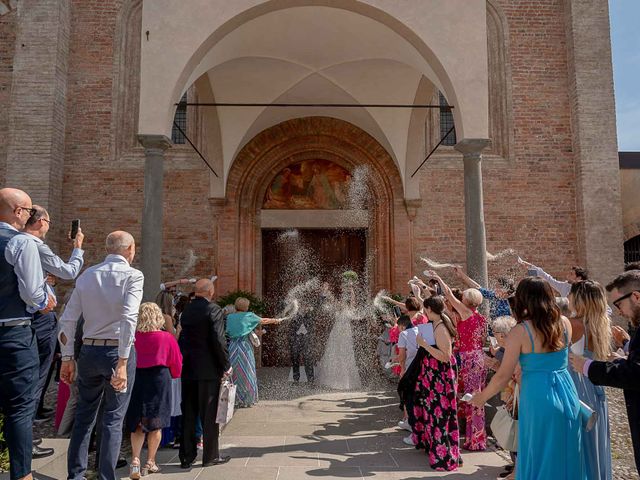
(239, 222)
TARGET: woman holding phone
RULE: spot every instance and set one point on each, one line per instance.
(435, 407)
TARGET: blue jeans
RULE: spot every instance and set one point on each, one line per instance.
(95, 366)
(18, 378)
(45, 326)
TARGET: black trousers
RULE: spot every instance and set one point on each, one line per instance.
(300, 346)
(45, 326)
(200, 399)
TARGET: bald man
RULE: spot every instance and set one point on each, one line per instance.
(108, 297)
(22, 292)
(205, 362)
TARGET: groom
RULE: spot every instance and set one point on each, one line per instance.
(300, 341)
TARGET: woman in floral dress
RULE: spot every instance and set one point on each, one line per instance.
(435, 408)
(471, 329)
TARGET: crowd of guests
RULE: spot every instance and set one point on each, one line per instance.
(545, 348)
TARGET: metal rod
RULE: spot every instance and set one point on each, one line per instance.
(195, 148)
(446, 108)
(433, 150)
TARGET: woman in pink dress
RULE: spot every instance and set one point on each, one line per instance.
(158, 361)
(473, 374)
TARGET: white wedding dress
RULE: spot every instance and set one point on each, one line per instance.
(338, 369)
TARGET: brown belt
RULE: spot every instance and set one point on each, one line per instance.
(100, 342)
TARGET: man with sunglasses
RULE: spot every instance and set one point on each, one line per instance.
(45, 324)
(622, 372)
(22, 292)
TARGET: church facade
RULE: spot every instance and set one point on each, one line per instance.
(208, 128)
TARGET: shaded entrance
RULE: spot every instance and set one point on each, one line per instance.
(294, 256)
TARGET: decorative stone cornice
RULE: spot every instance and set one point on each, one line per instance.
(472, 146)
(154, 143)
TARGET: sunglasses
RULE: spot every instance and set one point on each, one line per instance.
(619, 300)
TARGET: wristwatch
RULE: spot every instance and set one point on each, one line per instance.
(67, 358)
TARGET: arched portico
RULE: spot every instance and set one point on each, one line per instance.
(338, 51)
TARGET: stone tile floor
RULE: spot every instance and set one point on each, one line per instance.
(296, 432)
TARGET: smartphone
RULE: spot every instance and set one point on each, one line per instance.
(532, 272)
(75, 225)
(396, 311)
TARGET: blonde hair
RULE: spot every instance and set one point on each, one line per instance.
(242, 304)
(590, 302)
(472, 297)
(503, 324)
(150, 318)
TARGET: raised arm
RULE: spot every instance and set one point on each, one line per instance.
(466, 279)
(270, 321)
(464, 311)
(563, 288)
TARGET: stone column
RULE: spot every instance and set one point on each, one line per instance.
(593, 128)
(154, 148)
(474, 208)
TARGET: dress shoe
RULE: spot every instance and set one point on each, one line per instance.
(217, 461)
(186, 465)
(122, 462)
(37, 441)
(39, 452)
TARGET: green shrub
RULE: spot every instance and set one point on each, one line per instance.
(4, 453)
(257, 305)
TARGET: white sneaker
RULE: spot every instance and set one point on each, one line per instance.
(403, 424)
(408, 440)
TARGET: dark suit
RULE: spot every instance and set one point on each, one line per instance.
(205, 360)
(300, 345)
(624, 374)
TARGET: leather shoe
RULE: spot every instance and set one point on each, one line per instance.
(122, 462)
(217, 461)
(37, 441)
(186, 465)
(39, 452)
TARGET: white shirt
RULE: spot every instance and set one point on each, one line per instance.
(108, 296)
(563, 288)
(53, 264)
(408, 339)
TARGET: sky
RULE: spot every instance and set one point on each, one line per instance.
(625, 41)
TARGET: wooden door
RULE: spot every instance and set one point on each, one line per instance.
(291, 258)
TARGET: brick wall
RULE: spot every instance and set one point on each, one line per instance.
(7, 42)
(530, 198)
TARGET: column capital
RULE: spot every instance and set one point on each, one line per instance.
(155, 142)
(472, 146)
(413, 205)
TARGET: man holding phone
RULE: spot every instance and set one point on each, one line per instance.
(45, 324)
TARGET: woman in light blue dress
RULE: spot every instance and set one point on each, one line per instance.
(549, 426)
(592, 339)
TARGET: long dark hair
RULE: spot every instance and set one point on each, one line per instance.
(436, 305)
(535, 301)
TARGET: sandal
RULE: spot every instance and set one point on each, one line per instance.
(134, 471)
(150, 467)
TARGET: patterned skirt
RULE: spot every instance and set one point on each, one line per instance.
(473, 376)
(244, 371)
(436, 421)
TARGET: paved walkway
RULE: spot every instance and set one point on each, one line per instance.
(309, 434)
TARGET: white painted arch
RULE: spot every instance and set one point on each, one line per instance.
(334, 51)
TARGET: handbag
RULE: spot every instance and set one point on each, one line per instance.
(505, 427)
(226, 402)
(254, 339)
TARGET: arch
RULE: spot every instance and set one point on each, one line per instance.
(292, 141)
(401, 21)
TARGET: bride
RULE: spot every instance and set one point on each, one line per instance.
(337, 368)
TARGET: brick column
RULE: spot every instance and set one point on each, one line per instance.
(37, 107)
(476, 240)
(593, 123)
(154, 148)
